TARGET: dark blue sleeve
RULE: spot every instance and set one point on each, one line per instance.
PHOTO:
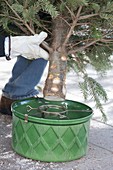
(2, 50)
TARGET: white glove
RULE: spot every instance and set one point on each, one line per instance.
(28, 46)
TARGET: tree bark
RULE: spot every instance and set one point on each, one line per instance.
(55, 83)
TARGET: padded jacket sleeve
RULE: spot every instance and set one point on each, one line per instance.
(2, 48)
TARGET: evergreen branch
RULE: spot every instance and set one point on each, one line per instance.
(107, 40)
(108, 34)
(11, 17)
(83, 23)
(48, 7)
(89, 44)
(95, 90)
(16, 20)
(98, 103)
(87, 16)
(25, 4)
(71, 13)
(16, 14)
(65, 21)
(82, 48)
(106, 45)
(72, 27)
(20, 19)
(82, 41)
(44, 44)
(79, 63)
(21, 27)
(102, 39)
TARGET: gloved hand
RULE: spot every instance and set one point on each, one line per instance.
(28, 46)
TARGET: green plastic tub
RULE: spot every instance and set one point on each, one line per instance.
(50, 131)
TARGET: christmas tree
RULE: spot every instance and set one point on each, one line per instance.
(79, 34)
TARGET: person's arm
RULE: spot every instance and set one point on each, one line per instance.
(2, 46)
(26, 46)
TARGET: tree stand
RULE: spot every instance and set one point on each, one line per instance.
(50, 131)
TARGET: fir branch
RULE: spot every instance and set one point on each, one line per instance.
(16, 14)
(105, 40)
(44, 45)
(65, 21)
(91, 87)
(89, 44)
(21, 27)
(49, 8)
(71, 13)
(82, 41)
(72, 27)
(87, 16)
(82, 48)
(10, 17)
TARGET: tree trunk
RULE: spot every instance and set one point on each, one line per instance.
(55, 83)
